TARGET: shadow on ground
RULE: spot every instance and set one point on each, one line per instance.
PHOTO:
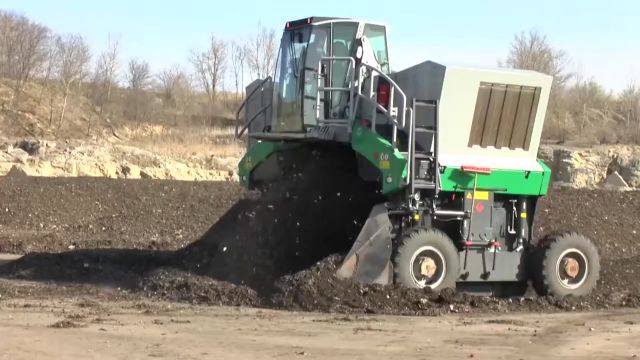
(115, 267)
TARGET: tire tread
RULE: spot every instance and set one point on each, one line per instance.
(544, 271)
(418, 237)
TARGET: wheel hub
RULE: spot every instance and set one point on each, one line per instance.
(571, 267)
(428, 267)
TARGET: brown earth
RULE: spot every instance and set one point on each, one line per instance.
(141, 231)
(59, 214)
(76, 328)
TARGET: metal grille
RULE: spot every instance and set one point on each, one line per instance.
(504, 116)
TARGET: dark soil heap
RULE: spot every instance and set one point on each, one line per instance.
(56, 214)
(316, 211)
(271, 250)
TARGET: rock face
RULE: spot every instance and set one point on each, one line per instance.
(40, 158)
(590, 168)
(18, 155)
(571, 167)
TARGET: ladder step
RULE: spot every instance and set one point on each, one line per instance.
(418, 156)
(425, 103)
(422, 184)
(325, 89)
(423, 156)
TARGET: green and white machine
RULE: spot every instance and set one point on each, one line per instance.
(452, 149)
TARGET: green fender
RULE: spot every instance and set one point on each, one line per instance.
(380, 152)
(373, 147)
(254, 156)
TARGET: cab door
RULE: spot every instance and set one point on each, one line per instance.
(343, 35)
(317, 49)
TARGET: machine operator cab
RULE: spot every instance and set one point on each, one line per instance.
(315, 74)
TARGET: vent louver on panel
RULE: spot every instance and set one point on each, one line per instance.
(504, 116)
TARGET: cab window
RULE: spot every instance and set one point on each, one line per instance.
(376, 35)
(344, 34)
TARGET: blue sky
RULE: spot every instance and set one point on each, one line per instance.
(602, 41)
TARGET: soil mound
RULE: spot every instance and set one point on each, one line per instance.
(294, 224)
(609, 218)
(272, 250)
(176, 285)
(318, 289)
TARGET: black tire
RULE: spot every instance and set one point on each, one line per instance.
(433, 244)
(550, 278)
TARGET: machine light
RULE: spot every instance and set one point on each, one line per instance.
(384, 90)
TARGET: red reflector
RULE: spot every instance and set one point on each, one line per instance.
(383, 93)
(376, 156)
(476, 169)
(365, 123)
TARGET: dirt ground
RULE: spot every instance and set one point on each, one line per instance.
(128, 268)
(80, 328)
(213, 243)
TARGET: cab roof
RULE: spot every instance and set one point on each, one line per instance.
(313, 20)
(318, 20)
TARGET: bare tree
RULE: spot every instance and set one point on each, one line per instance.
(73, 56)
(261, 53)
(106, 72)
(22, 50)
(174, 84)
(48, 72)
(210, 66)
(532, 51)
(588, 104)
(176, 87)
(628, 105)
(139, 75)
(105, 78)
(238, 56)
(139, 80)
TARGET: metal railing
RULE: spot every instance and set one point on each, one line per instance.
(391, 113)
(397, 116)
(260, 87)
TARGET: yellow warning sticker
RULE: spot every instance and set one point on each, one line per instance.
(523, 215)
(481, 195)
(469, 197)
(385, 164)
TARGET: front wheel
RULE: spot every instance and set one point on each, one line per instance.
(427, 259)
(568, 264)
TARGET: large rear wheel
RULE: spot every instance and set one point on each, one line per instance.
(427, 259)
(568, 264)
